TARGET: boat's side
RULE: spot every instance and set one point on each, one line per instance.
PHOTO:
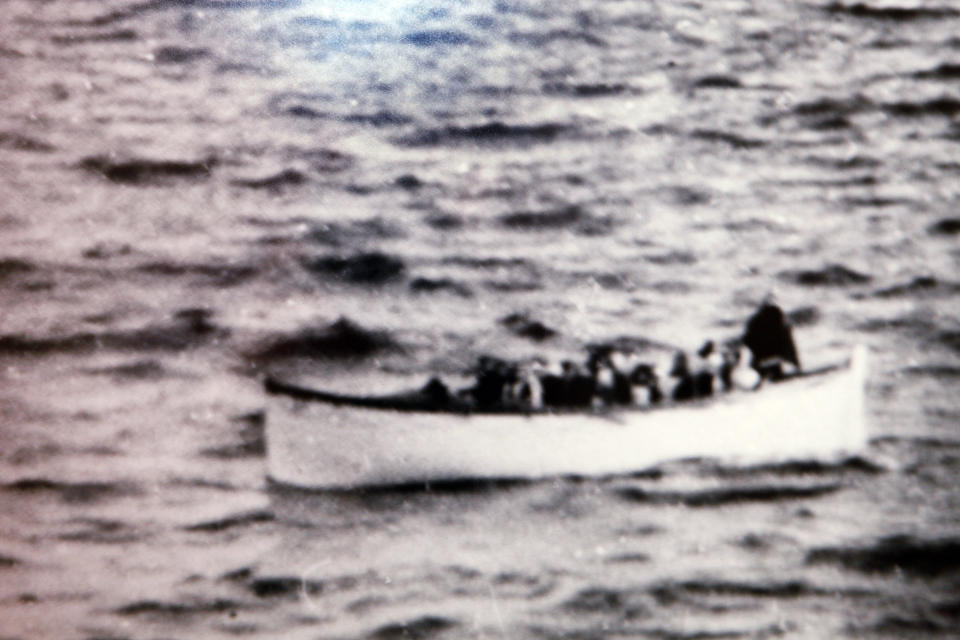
(317, 444)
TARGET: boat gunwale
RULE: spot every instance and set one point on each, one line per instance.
(404, 402)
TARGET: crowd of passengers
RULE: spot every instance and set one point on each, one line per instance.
(612, 377)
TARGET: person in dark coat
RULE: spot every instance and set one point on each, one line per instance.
(685, 386)
(770, 340)
(579, 385)
(493, 378)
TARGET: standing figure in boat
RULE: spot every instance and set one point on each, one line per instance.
(770, 340)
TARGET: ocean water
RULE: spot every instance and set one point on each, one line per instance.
(198, 193)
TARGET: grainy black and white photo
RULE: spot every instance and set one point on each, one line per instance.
(479, 319)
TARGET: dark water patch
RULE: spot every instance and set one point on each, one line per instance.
(175, 610)
(435, 37)
(949, 609)
(421, 628)
(373, 268)
(917, 323)
(303, 111)
(20, 345)
(717, 81)
(15, 266)
(832, 107)
(252, 442)
(6, 562)
(179, 55)
(670, 634)
(580, 90)
(512, 286)
(522, 325)
(611, 281)
(912, 556)
(901, 623)
(757, 542)
(409, 182)
(790, 589)
(628, 558)
(803, 316)
(678, 287)
(7, 52)
(342, 339)
(117, 15)
(938, 371)
(18, 142)
(834, 275)
(876, 202)
(491, 133)
(243, 575)
(219, 275)
(381, 118)
(139, 370)
(540, 39)
(100, 531)
(851, 464)
(725, 137)
(336, 235)
(550, 219)
(604, 601)
(920, 285)
(224, 68)
(385, 496)
(135, 10)
(143, 171)
(688, 196)
(946, 106)
(491, 263)
(891, 13)
(727, 496)
(118, 35)
(232, 521)
(845, 164)
(275, 182)
(72, 492)
(829, 123)
(105, 250)
(950, 338)
(284, 586)
(943, 71)
(190, 328)
(945, 227)
(672, 258)
(440, 285)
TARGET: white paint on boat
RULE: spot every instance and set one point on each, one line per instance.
(320, 445)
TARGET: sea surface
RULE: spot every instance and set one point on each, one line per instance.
(195, 194)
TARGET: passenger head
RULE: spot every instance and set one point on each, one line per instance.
(643, 375)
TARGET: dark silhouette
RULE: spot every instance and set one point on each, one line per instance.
(685, 388)
(493, 377)
(770, 340)
(644, 375)
(579, 386)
